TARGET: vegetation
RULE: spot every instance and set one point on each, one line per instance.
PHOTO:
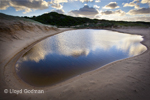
(56, 19)
(9, 17)
(61, 20)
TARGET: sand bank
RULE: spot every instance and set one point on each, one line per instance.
(127, 79)
(15, 36)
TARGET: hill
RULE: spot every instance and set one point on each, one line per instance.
(61, 20)
(54, 18)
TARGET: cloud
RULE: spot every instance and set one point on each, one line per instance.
(139, 11)
(97, 1)
(84, 0)
(59, 1)
(111, 5)
(97, 7)
(135, 18)
(86, 11)
(65, 1)
(138, 1)
(29, 5)
(68, 44)
(26, 5)
(56, 5)
(117, 12)
(132, 4)
(60, 11)
(145, 1)
(4, 5)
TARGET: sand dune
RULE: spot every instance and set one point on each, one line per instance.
(127, 79)
(15, 35)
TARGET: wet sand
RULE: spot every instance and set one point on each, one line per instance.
(127, 79)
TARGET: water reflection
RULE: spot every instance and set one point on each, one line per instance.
(81, 42)
(67, 54)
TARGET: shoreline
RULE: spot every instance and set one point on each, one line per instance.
(105, 79)
(22, 44)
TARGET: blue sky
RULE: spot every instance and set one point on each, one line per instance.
(129, 10)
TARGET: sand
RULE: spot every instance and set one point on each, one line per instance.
(127, 79)
(17, 35)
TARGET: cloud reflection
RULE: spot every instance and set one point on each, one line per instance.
(80, 42)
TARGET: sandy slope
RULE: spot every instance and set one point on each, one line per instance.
(127, 79)
(15, 35)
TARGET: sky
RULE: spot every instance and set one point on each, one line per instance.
(126, 10)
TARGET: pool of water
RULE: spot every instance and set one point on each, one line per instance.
(72, 53)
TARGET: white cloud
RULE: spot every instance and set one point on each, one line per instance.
(96, 6)
(111, 5)
(65, 1)
(132, 4)
(60, 11)
(84, 0)
(135, 18)
(72, 44)
(139, 11)
(117, 12)
(126, 18)
(59, 1)
(56, 5)
(97, 1)
(145, 1)
(86, 11)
